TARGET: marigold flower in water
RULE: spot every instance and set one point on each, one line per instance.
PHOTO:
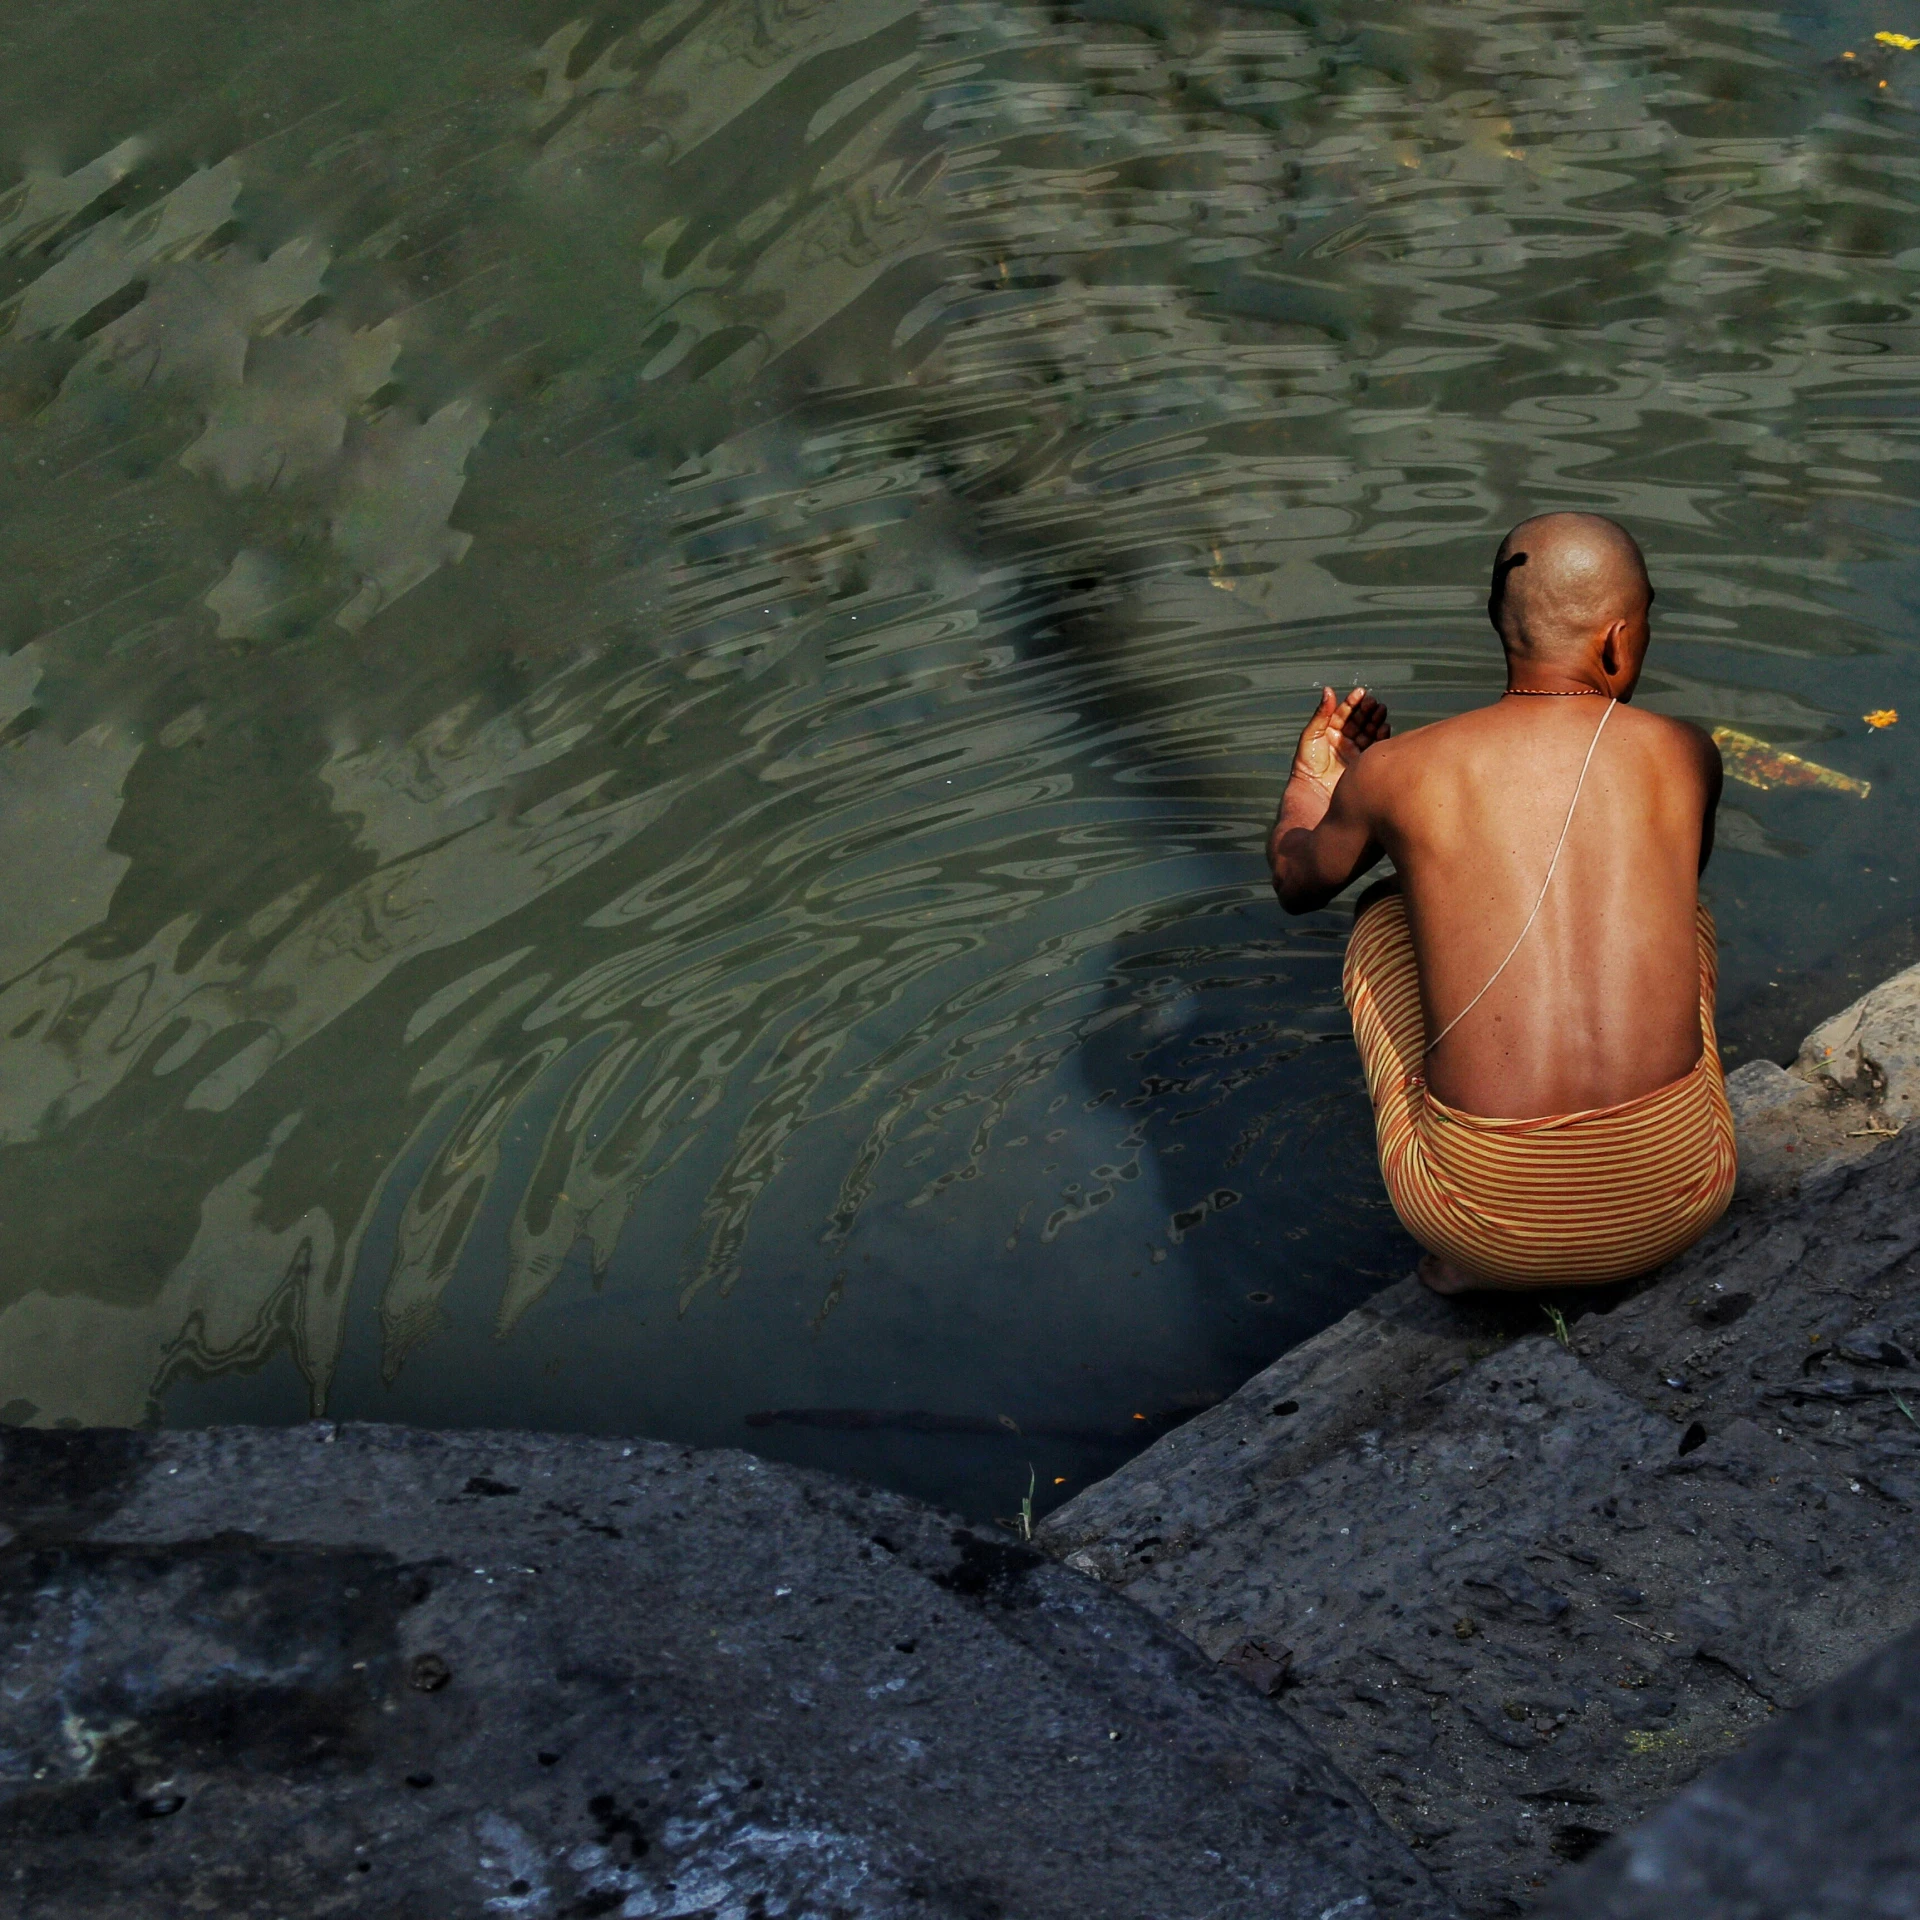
(1880, 717)
(1900, 40)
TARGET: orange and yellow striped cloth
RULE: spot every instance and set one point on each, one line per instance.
(1569, 1200)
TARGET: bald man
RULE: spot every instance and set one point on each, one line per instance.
(1532, 990)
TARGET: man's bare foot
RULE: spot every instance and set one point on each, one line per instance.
(1444, 1277)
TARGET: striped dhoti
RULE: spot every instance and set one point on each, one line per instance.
(1570, 1199)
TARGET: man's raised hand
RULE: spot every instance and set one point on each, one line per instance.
(1311, 861)
(1337, 734)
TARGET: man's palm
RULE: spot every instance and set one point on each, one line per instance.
(1338, 733)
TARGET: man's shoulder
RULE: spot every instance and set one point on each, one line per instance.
(1465, 744)
(1395, 771)
(1678, 737)
(1437, 741)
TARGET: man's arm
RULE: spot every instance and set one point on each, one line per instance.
(1705, 753)
(1323, 837)
(1716, 778)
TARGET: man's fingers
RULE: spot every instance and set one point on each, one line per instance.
(1347, 727)
(1359, 714)
(1359, 721)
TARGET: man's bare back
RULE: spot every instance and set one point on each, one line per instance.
(1601, 1001)
(1539, 1000)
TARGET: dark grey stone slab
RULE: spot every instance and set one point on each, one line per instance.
(1523, 1591)
(1819, 1819)
(1214, 1475)
(378, 1672)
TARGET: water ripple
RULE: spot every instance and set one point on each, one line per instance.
(652, 649)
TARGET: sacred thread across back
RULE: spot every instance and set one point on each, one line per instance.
(1552, 864)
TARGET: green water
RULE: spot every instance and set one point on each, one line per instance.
(647, 651)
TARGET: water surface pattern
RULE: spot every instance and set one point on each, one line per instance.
(647, 652)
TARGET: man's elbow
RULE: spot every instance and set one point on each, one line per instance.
(1297, 896)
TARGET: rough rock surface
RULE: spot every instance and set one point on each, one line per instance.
(1524, 1590)
(382, 1672)
(1855, 1082)
(1814, 1820)
(1872, 1048)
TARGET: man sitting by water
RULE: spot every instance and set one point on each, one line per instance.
(1532, 991)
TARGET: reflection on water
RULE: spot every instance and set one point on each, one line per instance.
(647, 652)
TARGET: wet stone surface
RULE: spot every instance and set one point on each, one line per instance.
(1815, 1819)
(374, 1671)
(1524, 1590)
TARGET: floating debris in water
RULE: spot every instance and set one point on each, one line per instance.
(1880, 717)
(1900, 40)
(1756, 764)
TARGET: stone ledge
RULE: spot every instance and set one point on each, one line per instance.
(367, 1670)
(1815, 1819)
(1524, 1590)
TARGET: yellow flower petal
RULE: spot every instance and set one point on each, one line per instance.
(1880, 717)
(1899, 40)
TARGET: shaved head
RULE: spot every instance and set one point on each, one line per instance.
(1560, 581)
